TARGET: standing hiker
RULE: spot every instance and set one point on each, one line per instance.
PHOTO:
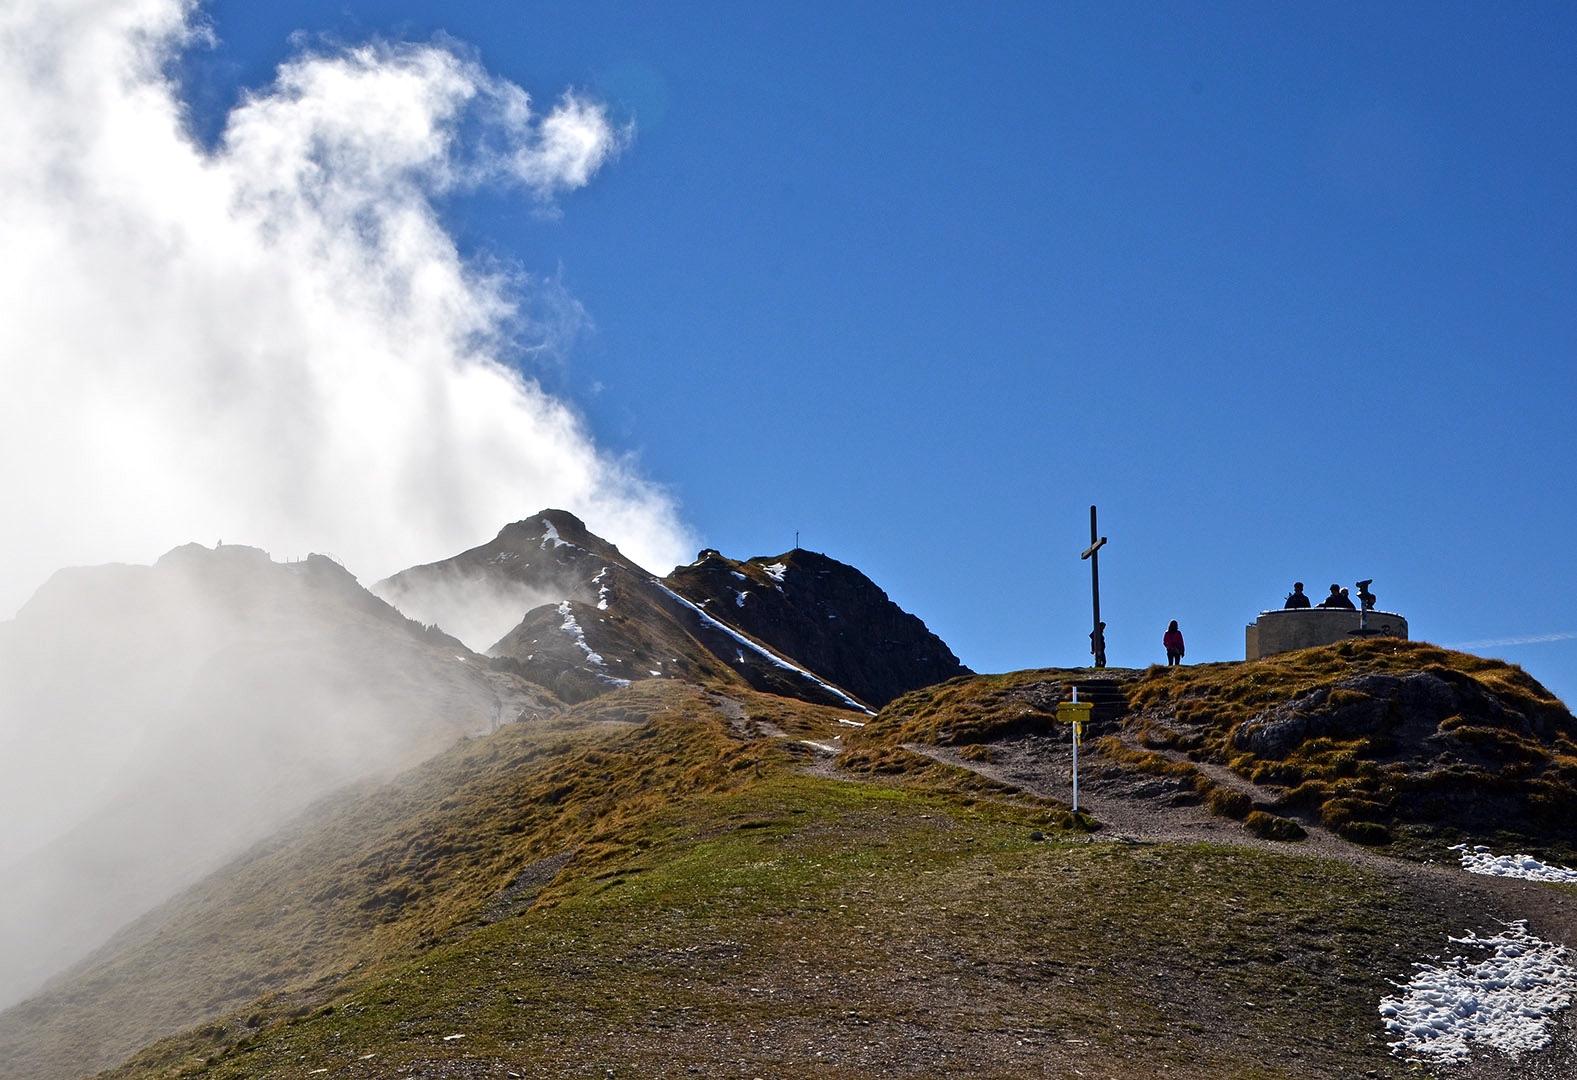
(1173, 640)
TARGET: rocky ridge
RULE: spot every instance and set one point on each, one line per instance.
(582, 619)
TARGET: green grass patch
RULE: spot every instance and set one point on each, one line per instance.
(803, 927)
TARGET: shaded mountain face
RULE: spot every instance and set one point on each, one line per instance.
(826, 615)
(573, 614)
(156, 720)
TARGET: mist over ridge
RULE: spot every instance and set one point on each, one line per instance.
(165, 717)
(276, 341)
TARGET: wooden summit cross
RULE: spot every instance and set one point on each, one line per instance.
(1092, 553)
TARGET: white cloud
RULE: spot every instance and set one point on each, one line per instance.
(275, 341)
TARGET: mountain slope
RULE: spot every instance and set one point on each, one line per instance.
(386, 872)
(681, 880)
(157, 720)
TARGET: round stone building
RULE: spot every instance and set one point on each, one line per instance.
(1304, 628)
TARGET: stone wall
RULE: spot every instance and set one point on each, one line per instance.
(1304, 628)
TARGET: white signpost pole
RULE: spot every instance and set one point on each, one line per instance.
(1075, 712)
(1076, 727)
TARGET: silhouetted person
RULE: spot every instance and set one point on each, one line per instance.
(1098, 644)
(1338, 599)
(1173, 640)
(1297, 598)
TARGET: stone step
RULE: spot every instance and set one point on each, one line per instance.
(1107, 695)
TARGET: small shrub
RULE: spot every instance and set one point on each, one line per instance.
(1308, 793)
(1340, 812)
(1229, 802)
(1270, 827)
(1284, 773)
(1344, 763)
(1370, 833)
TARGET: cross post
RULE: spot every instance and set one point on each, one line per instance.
(1092, 553)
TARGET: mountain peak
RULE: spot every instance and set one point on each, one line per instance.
(796, 624)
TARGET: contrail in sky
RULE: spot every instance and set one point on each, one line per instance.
(1496, 643)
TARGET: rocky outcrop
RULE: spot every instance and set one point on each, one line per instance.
(824, 614)
(558, 605)
(1381, 705)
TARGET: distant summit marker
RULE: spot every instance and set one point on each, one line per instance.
(1092, 553)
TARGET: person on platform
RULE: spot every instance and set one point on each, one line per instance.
(1098, 645)
(1338, 599)
(1297, 598)
(1173, 640)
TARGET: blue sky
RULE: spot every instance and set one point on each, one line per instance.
(1285, 289)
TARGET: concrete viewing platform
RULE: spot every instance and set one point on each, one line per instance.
(1304, 628)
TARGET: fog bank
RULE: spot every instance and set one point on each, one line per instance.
(275, 341)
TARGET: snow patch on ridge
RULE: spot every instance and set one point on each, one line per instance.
(1482, 861)
(1506, 1001)
(551, 537)
(776, 571)
(572, 628)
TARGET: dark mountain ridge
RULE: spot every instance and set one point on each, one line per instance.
(827, 615)
(586, 620)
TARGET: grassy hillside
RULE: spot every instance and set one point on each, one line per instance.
(1389, 743)
(672, 881)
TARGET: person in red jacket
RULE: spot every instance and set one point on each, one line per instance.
(1173, 640)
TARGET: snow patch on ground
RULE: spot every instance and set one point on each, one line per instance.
(776, 571)
(739, 598)
(1506, 1001)
(602, 590)
(1483, 861)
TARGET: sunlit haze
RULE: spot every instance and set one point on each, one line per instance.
(274, 341)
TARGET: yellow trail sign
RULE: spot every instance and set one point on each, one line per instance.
(1074, 712)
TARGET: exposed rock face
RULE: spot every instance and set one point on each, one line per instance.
(824, 614)
(1379, 705)
(563, 608)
